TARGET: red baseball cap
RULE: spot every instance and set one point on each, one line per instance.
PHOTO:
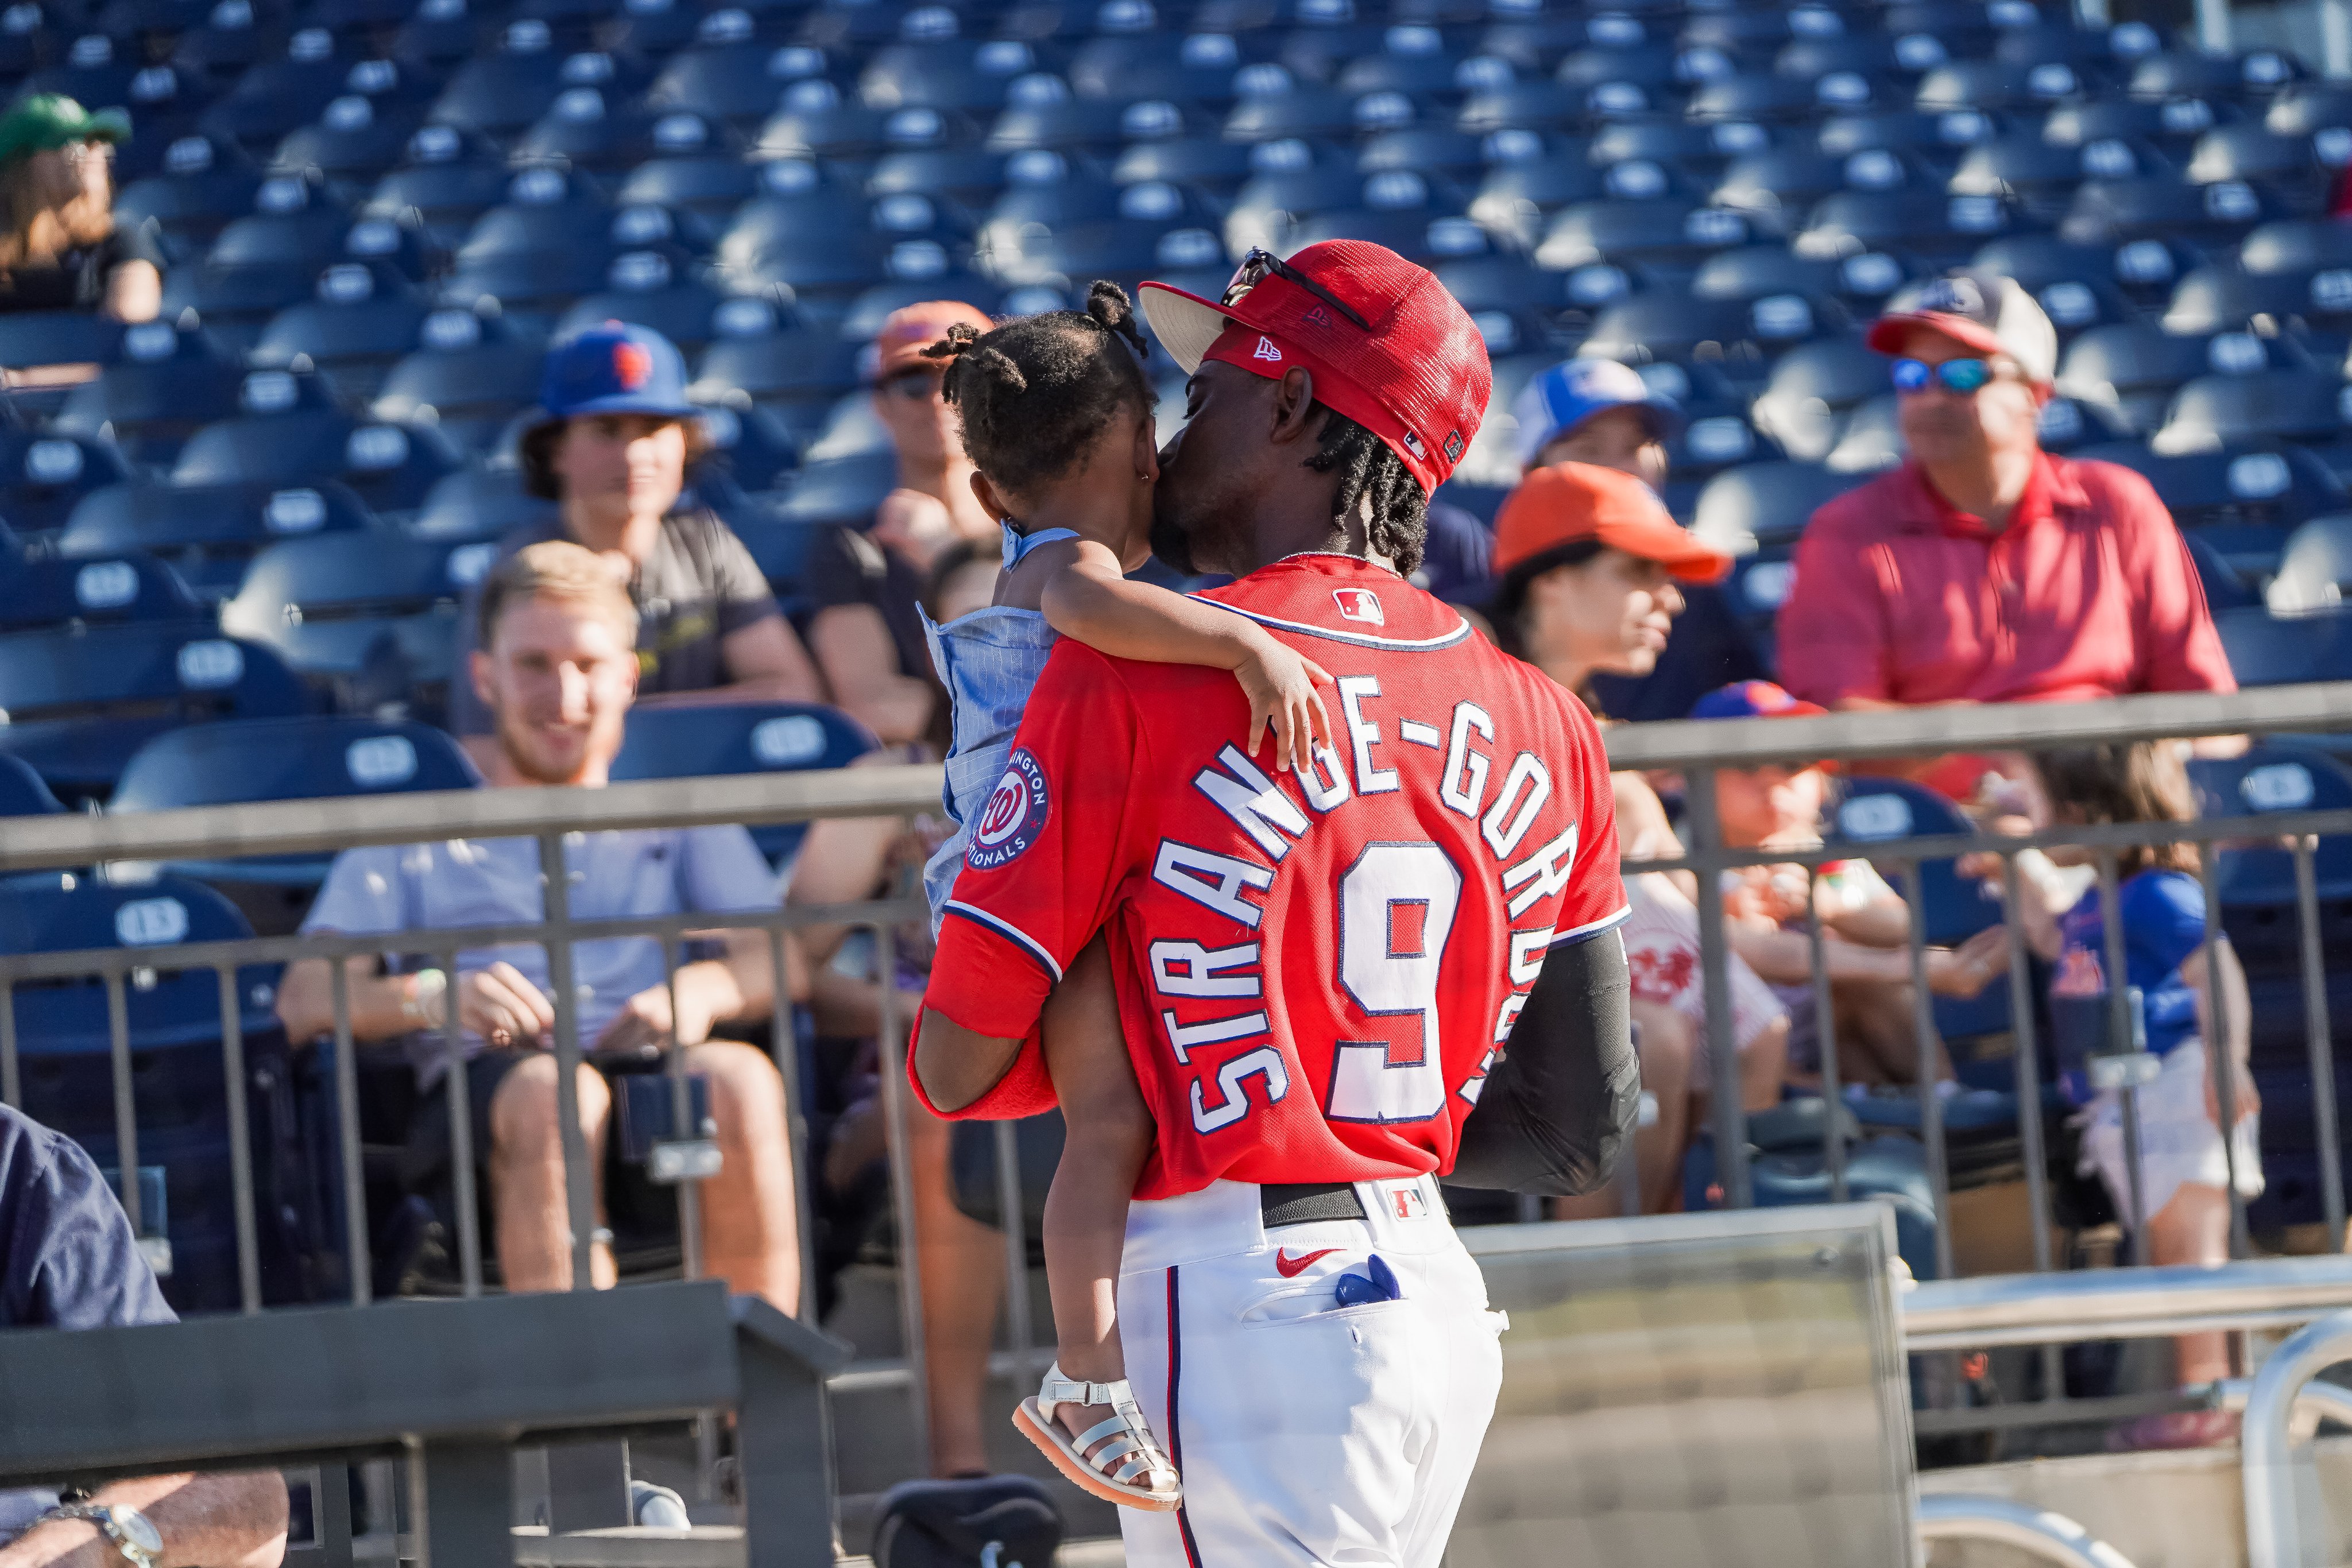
(911, 329)
(1571, 501)
(1388, 346)
(1754, 699)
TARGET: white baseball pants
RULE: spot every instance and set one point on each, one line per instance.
(1308, 1434)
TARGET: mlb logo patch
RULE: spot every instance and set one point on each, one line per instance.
(1412, 445)
(1408, 1202)
(1360, 604)
(1266, 350)
(633, 366)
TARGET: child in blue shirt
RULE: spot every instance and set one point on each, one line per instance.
(2184, 1172)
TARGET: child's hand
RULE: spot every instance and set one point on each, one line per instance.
(1280, 685)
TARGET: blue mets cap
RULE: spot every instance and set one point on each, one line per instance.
(614, 368)
(1563, 397)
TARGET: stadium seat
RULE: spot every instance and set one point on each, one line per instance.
(1639, 233)
(476, 506)
(391, 468)
(204, 182)
(2268, 649)
(287, 431)
(57, 591)
(2132, 371)
(354, 138)
(43, 477)
(797, 373)
(469, 377)
(745, 737)
(499, 94)
(204, 532)
(449, 179)
(2113, 212)
(1953, 908)
(22, 793)
(694, 174)
(2281, 487)
(1739, 333)
(166, 384)
(1764, 502)
(1942, 228)
(842, 490)
(31, 338)
(2314, 567)
(644, 288)
(277, 97)
(2213, 411)
(1811, 389)
(178, 1096)
(353, 330)
(311, 758)
(2229, 299)
(81, 701)
(752, 450)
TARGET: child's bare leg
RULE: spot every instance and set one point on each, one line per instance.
(1110, 1136)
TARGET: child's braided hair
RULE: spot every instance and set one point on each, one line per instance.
(1036, 393)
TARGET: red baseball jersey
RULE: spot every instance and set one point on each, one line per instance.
(1317, 970)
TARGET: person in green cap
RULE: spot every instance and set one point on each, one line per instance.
(60, 248)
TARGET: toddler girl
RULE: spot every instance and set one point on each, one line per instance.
(1057, 416)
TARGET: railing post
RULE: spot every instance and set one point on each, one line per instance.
(2274, 1526)
(1715, 957)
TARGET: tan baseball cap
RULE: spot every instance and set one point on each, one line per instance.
(911, 329)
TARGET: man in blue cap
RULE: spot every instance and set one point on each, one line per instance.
(1602, 412)
(613, 452)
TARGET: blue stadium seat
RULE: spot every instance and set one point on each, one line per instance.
(745, 737)
(203, 183)
(178, 1092)
(500, 94)
(43, 477)
(205, 532)
(22, 792)
(2233, 559)
(2267, 650)
(277, 97)
(391, 468)
(1943, 227)
(814, 124)
(842, 490)
(751, 451)
(354, 138)
(2215, 411)
(643, 287)
(1811, 389)
(2282, 487)
(1664, 232)
(288, 431)
(1786, 1165)
(2315, 566)
(29, 338)
(735, 80)
(307, 758)
(1876, 811)
(1764, 502)
(167, 383)
(476, 506)
(1674, 325)
(2113, 212)
(699, 175)
(450, 178)
(57, 591)
(353, 330)
(2133, 370)
(81, 702)
(468, 377)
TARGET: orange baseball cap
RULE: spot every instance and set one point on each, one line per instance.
(1569, 502)
(909, 329)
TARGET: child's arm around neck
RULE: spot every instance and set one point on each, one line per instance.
(1079, 586)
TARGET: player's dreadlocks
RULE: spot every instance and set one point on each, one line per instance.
(1035, 393)
(1399, 528)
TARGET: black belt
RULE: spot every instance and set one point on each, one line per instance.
(1299, 1203)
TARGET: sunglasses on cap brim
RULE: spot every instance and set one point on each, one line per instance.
(1261, 263)
(1963, 376)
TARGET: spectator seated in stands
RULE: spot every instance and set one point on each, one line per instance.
(67, 1260)
(1602, 413)
(2183, 986)
(60, 248)
(1590, 568)
(1985, 570)
(555, 672)
(1866, 925)
(866, 633)
(613, 452)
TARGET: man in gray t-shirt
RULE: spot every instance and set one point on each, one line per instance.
(555, 674)
(612, 453)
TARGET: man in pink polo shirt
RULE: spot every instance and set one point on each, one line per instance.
(1985, 570)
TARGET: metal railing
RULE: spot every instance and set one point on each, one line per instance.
(547, 815)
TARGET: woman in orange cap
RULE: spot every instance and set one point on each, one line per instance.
(1589, 565)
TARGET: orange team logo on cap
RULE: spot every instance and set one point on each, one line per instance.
(633, 365)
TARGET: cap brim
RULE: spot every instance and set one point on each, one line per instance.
(1684, 555)
(107, 125)
(1886, 333)
(625, 404)
(1186, 325)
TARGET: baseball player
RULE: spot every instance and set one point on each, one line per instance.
(1317, 972)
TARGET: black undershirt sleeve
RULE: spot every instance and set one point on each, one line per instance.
(1559, 1107)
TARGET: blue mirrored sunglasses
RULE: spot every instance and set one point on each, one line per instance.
(1963, 376)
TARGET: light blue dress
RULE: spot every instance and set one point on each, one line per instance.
(989, 661)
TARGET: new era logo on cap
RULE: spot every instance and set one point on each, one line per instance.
(1454, 446)
(1266, 350)
(1956, 296)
